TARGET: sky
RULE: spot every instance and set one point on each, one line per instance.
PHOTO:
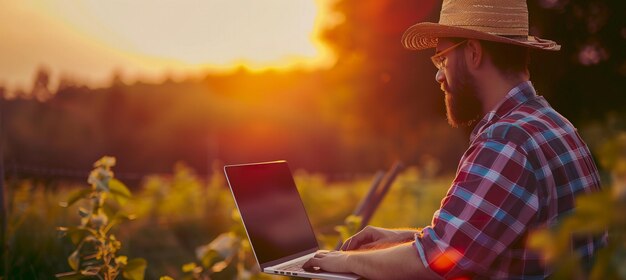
(89, 40)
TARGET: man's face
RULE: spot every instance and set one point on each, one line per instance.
(463, 108)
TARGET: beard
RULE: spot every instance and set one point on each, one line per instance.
(463, 108)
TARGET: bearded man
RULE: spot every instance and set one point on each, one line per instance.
(522, 171)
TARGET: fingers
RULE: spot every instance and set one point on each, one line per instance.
(355, 241)
(352, 243)
(327, 261)
(361, 238)
(314, 263)
(346, 244)
(311, 263)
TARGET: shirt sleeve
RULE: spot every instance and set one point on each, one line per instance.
(488, 206)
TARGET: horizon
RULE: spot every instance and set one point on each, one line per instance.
(91, 41)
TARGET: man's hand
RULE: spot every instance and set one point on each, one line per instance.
(374, 237)
(334, 261)
(396, 262)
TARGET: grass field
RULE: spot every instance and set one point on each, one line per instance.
(178, 213)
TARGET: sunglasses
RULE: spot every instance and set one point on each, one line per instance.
(439, 59)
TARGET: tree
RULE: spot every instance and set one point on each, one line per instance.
(40, 90)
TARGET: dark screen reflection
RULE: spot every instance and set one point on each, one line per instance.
(271, 209)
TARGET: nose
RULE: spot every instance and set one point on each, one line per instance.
(440, 77)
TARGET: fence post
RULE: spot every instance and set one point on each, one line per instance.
(380, 193)
(379, 188)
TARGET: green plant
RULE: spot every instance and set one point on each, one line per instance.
(228, 256)
(181, 212)
(96, 247)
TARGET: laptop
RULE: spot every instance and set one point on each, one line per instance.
(275, 220)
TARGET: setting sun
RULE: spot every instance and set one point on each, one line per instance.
(89, 40)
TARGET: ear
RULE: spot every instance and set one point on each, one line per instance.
(473, 53)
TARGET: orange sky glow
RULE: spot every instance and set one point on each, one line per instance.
(148, 40)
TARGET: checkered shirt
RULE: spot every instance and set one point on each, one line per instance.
(522, 170)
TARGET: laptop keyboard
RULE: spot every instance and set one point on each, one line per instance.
(294, 267)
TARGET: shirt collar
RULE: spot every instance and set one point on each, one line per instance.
(515, 97)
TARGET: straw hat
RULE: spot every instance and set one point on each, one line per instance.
(503, 21)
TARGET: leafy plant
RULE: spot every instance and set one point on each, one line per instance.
(229, 254)
(178, 212)
(96, 253)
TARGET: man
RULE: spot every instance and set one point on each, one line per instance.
(521, 172)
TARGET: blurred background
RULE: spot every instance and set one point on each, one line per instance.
(323, 84)
(184, 87)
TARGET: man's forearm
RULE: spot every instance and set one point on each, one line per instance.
(398, 262)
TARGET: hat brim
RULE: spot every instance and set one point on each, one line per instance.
(425, 35)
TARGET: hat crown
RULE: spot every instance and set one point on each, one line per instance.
(498, 17)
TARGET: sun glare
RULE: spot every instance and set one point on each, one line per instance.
(90, 39)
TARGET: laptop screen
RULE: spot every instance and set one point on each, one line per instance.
(271, 210)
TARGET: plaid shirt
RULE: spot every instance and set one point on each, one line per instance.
(524, 166)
